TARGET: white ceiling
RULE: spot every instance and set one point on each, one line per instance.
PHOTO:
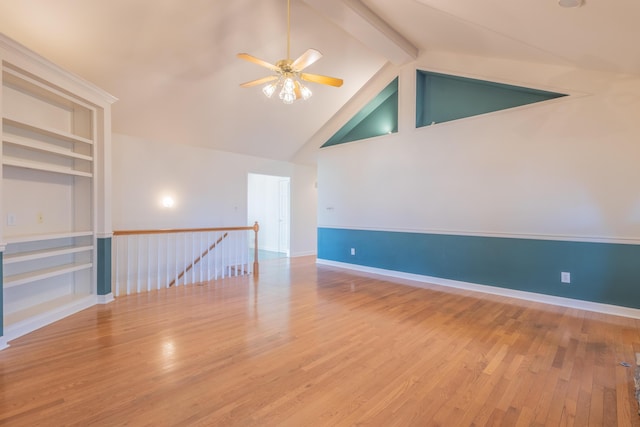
(172, 63)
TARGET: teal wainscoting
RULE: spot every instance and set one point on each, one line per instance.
(104, 266)
(604, 273)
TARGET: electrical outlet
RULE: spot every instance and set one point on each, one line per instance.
(353, 251)
(11, 219)
(40, 218)
(565, 277)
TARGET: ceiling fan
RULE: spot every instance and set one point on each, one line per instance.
(288, 73)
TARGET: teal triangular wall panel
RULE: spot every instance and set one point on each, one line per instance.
(442, 97)
(378, 117)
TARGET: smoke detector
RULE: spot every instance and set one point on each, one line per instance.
(570, 3)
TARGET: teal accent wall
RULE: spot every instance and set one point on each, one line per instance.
(442, 97)
(600, 272)
(104, 266)
(378, 117)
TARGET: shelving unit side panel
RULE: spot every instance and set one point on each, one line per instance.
(82, 123)
(83, 212)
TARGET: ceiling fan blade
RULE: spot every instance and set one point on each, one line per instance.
(325, 80)
(306, 59)
(258, 61)
(297, 90)
(259, 81)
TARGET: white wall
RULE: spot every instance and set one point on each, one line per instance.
(304, 208)
(565, 168)
(209, 188)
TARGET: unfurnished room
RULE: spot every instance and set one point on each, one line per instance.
(320, 213)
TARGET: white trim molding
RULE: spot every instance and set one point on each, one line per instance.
(301, 254)
(421, 281)
(15, 48)
(504, 235)
(105, 299)
(3, 343)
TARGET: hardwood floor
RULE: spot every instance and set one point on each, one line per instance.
(316, 346)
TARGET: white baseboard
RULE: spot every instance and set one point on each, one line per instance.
(301, 254)
(105, 299)
(3, 343)
(418, 280)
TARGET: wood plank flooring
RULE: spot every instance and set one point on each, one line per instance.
(311, 345)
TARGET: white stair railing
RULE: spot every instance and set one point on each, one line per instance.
(146, 260)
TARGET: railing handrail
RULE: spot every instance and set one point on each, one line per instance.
(253, 227)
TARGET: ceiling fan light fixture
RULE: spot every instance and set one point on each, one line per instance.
(287, 97)
(290, 89)
(287, 93)
(306, 92)
(288, 85)
(287, 73)
(570, 3)
(269, 89)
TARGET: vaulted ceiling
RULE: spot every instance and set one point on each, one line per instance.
(172, 63)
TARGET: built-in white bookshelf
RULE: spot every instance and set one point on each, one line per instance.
(51, 136)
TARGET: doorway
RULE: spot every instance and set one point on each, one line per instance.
(269, 204)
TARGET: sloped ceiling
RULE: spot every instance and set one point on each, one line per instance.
(172, 63)
(600, 35)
